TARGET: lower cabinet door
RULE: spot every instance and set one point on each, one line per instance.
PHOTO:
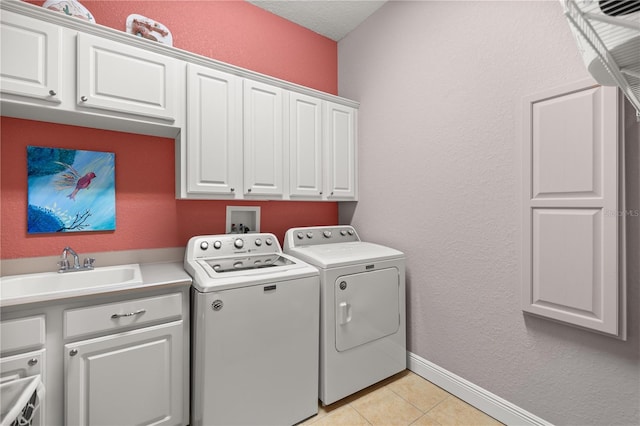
(131, 378)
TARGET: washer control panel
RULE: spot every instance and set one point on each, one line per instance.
(207, 246)
(297, 237)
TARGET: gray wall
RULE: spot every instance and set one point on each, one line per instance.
(440, 85)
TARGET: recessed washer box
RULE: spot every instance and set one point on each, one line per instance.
(247, 216)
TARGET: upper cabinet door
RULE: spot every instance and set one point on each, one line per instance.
(570, 205)
(117, 77)
(214, 131)
(263, 139)
(305, 146)
(340, 152)
(30, 57)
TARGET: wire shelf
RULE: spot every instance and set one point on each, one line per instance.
(614, 37)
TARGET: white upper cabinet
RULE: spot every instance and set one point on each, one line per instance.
(305, 146)
(340, 152)
(30, 57)
(571, 247)
(116, 77)
(214, 129)
(263, 139)
(239, 134)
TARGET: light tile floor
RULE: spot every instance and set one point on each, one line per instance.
(402, 400)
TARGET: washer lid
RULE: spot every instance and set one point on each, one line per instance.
(343, 254)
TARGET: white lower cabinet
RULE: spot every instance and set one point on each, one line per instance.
(114, 359)
(131, 378)
(27, 364)
(22, 343)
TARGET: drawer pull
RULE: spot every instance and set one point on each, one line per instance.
(32, 362)
(130, 314)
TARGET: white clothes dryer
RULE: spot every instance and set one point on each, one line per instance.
(362, 307)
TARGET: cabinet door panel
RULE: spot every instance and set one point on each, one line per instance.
(214, 129)
(30, 61)
(340, 154)
(126, 379)
(263, 139)
(126, 79)
(305, 146)
(570, 190)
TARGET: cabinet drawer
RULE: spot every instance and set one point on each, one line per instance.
(22, 334)
(115, 316)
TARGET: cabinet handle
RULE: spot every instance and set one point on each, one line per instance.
(32, 362)
(320, 192)
(233, 189)
(130, 314)
(249, 190)
(84, 98)
(52, 92)
(73, 352)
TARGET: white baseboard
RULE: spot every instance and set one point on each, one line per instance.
(493, 405)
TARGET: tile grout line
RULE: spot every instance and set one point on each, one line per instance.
(359, 413)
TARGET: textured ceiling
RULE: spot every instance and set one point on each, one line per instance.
(331, 18)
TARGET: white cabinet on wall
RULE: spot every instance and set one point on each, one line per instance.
(30, 58)
(232, 126)
(572, 253)
(263, 139)
(116, 77)
(305, 146)
(322, 149)
(214, 132)
(340, 152)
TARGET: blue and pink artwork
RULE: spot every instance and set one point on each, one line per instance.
(70, 190)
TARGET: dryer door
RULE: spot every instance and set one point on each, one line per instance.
(367, 307)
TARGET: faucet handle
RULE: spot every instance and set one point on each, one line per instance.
(64, 264)
(88, 262)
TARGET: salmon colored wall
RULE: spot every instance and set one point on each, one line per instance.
(235, 32)
(147, 213)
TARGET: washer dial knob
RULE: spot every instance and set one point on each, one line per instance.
(343, 232)
(204, 245)
(238, 243)
(327, 234)
(258, 242)
(268, 241)
(309, 234)
(350, 231)
(300, 235)
(217, 245)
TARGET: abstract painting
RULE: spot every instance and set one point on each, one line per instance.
(70, 190)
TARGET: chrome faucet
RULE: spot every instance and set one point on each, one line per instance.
(66, 267)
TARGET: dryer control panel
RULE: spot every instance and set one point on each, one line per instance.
(315, 235)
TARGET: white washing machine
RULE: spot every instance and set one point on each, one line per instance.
(255, 319)
(362, 307)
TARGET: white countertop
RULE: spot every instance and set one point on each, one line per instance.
(153, 275)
